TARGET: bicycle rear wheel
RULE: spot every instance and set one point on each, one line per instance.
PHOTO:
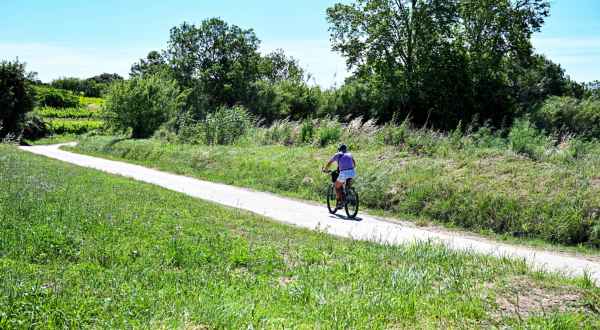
(331, 199)
(352, 203)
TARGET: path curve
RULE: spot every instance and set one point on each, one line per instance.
(307, 215)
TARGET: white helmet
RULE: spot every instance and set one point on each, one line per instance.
(342, 145)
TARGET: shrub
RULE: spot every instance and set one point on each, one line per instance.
(224, 126)
(17, 96)
(329, 132)
(57, 98)
(307, 130)
(568, 114)
(525, 138)
(35, 127)
(141, 104)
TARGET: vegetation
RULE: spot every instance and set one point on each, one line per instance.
(57, 98)
(17, 96)
(504, 182)
(74, 127)
(453, 67)
(91, 87)
(49, 112)
(125, 254)
(142, 104)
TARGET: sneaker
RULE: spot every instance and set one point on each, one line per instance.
(339, 206)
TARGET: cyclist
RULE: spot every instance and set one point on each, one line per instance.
(346, 166)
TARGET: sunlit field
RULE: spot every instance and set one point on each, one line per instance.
(80, 248)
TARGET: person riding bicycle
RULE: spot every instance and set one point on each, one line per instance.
(346, 166)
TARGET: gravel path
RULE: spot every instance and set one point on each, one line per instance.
(307, 215)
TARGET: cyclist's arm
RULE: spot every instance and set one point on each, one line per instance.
(327, 167)
(353, 163)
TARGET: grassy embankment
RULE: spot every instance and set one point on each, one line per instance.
(80, 248)
(492, 191)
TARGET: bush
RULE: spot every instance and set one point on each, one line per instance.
(17, 96)
(57, 98)
(35, 127)
(142, 105)
(329, 132)
(568, 114)
(525, 138)
(224, 126)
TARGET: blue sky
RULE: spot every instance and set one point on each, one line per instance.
(85, 38)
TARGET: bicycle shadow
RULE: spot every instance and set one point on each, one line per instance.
(341, 217)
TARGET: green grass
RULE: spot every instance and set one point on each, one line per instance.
(54, 139)
(491, 191)
(84, 249)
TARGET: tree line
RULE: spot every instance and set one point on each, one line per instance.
(437, 62)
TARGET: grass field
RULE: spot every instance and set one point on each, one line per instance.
(490, 191)
(80, 248)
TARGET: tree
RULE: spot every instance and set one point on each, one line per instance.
(532, 85)
(276, 66)
(592, 90)
(154, 64)
(142, 104)
(106, 78)
(217, 60)
(17, 95)
(447, 57)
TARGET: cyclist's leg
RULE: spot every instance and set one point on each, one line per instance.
(350, 179)
(338, 185)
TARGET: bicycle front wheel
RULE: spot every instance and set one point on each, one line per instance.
(331, 199)
(352, 203)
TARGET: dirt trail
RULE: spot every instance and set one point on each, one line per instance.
(309, 215)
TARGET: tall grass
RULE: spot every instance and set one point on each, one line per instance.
(223, 126)
(84, 249)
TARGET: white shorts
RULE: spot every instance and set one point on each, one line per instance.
(345, 175)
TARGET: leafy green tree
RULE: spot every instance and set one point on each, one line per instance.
(56, 98)
(17, 95)
(592, 90)
(276, 67)
(532, 85)
(154, 64)
(106, 78)
(217, 60)
(446, 57)
(142, 104)
(87, 87)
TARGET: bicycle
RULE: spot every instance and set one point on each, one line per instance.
(350, 199)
